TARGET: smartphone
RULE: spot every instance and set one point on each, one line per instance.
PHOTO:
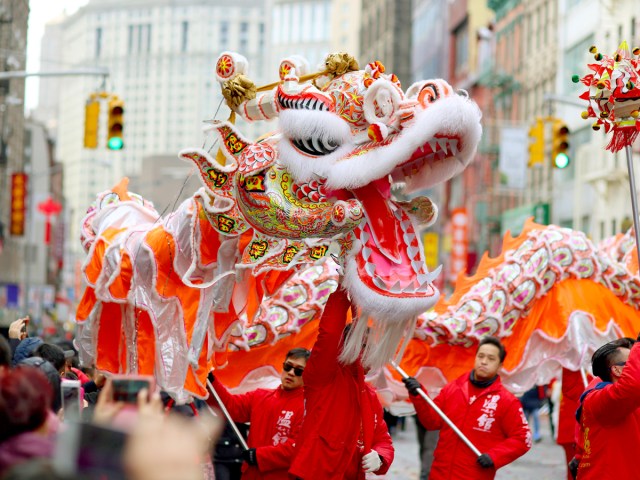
(126, 387)
(71, 401)
(91, 451)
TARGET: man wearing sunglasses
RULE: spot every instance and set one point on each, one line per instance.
(609, 415)
(275, 417)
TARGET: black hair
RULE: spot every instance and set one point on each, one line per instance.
(607, 355)
(5, 352)
(51, 353)
(496, 343)
(298, 353)
(52, 375)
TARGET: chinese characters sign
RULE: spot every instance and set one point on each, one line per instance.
(18, 204)
(459, 242)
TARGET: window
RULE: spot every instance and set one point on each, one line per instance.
(575, 59)
(244, 36)
(139, 38)
(586, 224)
(185, 36)
(461, 37)
(224, 35)
(98, 41)
(261, 35)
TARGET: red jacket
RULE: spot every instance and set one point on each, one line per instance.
(572, 388)
(491, 418)
(610, 420)
(275, 417)
(343, 416)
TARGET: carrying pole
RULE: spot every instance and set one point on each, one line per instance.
(226, 414)
(634, 198)
(439, 412)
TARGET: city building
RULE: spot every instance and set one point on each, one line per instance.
(312, 29)
(599, 195)
(385, 35)
(160, 57)
(13, 47)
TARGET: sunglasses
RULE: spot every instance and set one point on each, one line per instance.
(296, 370)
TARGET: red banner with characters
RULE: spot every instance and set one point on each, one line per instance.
(459, 242)
(18, 204)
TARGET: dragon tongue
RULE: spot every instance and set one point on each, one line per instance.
(381, 220)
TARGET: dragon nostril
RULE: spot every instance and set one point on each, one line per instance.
(463, 93)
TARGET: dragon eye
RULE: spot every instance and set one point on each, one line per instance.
(314, 146)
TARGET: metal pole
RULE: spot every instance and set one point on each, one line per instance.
(583, 374)
(634, 198)
(226, 414)
(439, 412)
(100, 72)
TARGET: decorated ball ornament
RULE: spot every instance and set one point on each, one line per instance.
(613, 95)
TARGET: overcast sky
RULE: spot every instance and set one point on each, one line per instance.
(41, 11)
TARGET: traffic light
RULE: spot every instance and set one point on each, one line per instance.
(91, 123)
(115, 124)
(560, 144)
(536, 143)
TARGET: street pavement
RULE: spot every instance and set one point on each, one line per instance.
(545, 460)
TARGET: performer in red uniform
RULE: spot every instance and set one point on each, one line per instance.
(484, 411)
(609, 415)
(275, 417)
(343, 435)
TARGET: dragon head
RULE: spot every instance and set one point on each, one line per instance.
(354, 134)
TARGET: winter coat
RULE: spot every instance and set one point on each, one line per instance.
(572, 388)
(25, 349)
(531, 399)
(29, 445)
(343, 416)
(491, 418)
(610, 422)
(275, 417)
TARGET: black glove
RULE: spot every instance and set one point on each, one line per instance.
(250, 456)
(485, 461)
(412, 385)
(573, 467)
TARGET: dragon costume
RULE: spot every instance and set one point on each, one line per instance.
(277, 224)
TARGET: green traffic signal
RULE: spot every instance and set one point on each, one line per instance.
(562, 160)
(115, 143)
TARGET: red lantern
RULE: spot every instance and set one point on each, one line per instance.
(49, 207)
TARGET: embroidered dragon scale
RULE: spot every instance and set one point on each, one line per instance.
(552, 296)
(258, 247)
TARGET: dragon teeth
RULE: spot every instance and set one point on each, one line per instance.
(370, 268)
(396, 288)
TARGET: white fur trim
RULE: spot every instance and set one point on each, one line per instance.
(386, 97)
(302, 124)
(453, 115)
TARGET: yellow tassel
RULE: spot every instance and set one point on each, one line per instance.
(340, 63)
(238, 90)
(585, 114)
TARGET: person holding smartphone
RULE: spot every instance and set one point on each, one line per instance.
(275, 417)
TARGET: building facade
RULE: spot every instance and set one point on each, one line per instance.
(385, 35)
(13, 48)
(161, 60)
